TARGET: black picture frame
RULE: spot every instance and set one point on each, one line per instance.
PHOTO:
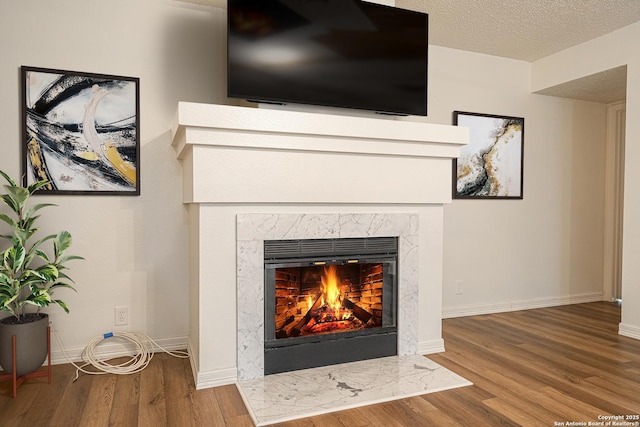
(81, 132)
(491, 165)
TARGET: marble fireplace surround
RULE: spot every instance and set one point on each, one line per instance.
(251, 174)
(254, 229)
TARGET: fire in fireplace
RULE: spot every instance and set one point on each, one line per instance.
(329, 301)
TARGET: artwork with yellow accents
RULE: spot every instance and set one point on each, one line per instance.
(490, 165)
(81, 132)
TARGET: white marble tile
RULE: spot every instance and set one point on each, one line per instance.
(301, 394)
(254, 228)
(250, 306)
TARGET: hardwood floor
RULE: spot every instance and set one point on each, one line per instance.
(537, 367)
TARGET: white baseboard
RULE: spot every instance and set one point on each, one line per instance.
(629, 331)
(113, 347)
(216, 378)
(474, 310)
(193, 362)
(430, 347)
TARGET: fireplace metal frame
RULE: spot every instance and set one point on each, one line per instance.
(287, 354)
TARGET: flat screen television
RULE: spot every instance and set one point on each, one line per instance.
(337, 53)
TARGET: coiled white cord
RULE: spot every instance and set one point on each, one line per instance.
(144, 347)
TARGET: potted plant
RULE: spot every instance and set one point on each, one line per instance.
(29, 276)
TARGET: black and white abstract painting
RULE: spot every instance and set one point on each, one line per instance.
(81, 132)
(490, 166)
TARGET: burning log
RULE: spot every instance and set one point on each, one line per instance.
(297, 328)
(284, 332)
(332, 326)
(286, 329)
(341, 304)
(284, 319)
(360, 313)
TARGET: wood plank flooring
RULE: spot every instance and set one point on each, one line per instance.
(538, 367)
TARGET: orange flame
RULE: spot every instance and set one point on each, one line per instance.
(330, 290)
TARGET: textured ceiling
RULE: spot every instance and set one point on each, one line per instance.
(606, 87)
(524, 29)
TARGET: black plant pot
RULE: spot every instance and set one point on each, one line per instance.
(31, 344)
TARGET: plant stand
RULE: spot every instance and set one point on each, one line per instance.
(19, 380)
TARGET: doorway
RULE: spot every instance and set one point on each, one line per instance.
(614, 200)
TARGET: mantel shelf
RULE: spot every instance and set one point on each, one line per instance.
(252, 155)
(223, 125)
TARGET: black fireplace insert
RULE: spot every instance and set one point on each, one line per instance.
(329, 301)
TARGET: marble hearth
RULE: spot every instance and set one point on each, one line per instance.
(254, 174)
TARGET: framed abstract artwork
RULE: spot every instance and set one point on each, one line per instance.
(81, 132)
(490, 166)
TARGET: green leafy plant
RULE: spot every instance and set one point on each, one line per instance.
(29, 276)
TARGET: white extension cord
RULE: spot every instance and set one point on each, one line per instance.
(144, 347)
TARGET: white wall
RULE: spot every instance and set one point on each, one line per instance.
(546, 249)
(612, 50)
(135, 247)
(505, 252)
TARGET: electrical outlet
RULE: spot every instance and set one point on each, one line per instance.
(122, 316)
(459, 290)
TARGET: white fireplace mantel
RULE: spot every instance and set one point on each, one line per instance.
(308, 175)
(263, 149)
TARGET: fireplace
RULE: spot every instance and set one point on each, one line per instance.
(314, 231)
(252, 175)
(329, 301)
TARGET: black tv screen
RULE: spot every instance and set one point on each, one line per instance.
(338, 53)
